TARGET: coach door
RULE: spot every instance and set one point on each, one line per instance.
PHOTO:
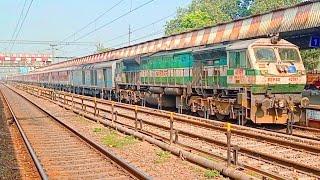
(107, 76)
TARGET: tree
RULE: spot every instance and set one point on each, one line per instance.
(311, 58)
(261, 6)
(201, 13)
(102, 49)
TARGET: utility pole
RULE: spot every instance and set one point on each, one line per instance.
(129, 34)
(52, 51)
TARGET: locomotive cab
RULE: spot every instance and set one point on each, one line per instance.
(276, 80)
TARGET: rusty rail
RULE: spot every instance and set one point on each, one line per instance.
(32, 153)
(134, 171)
(285, 162)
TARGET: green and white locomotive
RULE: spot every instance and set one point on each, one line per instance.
(259, 80)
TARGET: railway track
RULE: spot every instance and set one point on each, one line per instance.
(60, 151)
(275, 156)
(298, 131)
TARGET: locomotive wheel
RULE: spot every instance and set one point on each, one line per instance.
(220, 116)
(200, 113)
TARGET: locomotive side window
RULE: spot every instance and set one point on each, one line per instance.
(238, 59)
(265, 54)
(289, 55)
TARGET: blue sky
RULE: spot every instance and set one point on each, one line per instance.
(54, 20)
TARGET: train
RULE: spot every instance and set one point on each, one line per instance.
(258, 80)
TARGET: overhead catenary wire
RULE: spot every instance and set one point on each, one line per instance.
(112, 21)
(140, 28)
(23, 20)
(31, 42)
(94, 20)
(19, 20)
(136, 30)
(139, 38)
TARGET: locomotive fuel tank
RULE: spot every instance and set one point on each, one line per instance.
(165, 100)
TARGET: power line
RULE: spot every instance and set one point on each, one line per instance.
(20, 16)
(95, 20)
(47, 42)
(141, 28)
(142, 37)
(110, 22)
(21, 25)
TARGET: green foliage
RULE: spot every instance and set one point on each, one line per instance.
(311, 58)
(162, 156)
(260, 6)
(102, 49)
(211, 173)
(201, 13)
(97, 130)
(117, 141)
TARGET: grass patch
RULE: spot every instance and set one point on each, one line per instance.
(162, 156)
(210, 174)
(97, 130)
(117, 141)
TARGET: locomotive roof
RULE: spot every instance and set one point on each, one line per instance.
(260, 41)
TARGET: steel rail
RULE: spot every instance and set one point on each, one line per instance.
(186, 119)
(294, 134)
(196, 121)
(221, 144)
(134, 171)
(201, 123)
(193, 158)
(32, 153)
(285, 162)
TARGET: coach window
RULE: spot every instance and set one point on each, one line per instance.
(93, 75)
(238, 59)
(83, 78)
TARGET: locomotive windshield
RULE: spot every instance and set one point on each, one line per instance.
(265, 54)
(289, 55)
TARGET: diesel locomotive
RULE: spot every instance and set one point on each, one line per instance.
(260, 80)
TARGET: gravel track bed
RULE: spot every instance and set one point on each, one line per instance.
(301, 132)
(44, 129)
(251, 143)
(215, 123)
(142, 154)
(295, 155)
(15, 160)
(219, 151)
